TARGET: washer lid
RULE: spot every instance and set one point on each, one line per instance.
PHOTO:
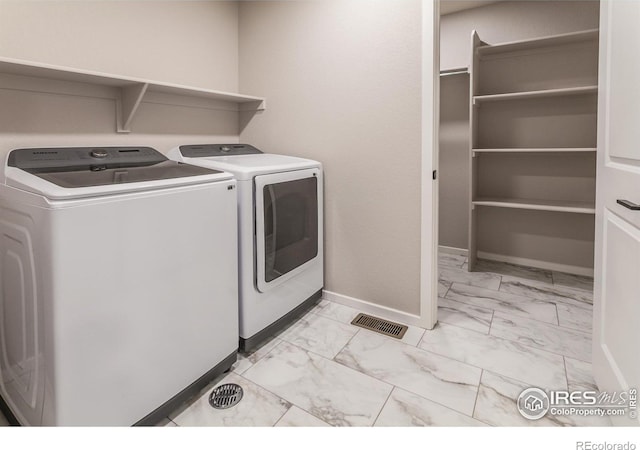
(243, 161)
(61, 173)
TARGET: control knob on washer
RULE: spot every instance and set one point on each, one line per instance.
(99, 153)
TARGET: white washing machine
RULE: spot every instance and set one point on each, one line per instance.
(280, 233)
(118, 297)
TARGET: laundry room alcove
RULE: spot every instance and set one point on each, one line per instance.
(144, 105)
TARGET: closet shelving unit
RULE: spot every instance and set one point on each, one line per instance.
(533, 106)
(128, 93)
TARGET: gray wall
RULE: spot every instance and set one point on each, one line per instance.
(453, 161)
(343, 84)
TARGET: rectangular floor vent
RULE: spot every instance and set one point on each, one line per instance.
(380, 325)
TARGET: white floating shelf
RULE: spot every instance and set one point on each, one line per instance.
(538, 205)
(130, 91)
(535, 150)
(583, 90)
(539, 43)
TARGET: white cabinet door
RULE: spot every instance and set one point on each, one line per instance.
(616, 363)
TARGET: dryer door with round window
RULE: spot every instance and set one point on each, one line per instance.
(287, 225)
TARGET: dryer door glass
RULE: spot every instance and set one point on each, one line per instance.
(288, 231)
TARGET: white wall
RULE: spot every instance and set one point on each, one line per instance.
(510, 21)
(343, 83)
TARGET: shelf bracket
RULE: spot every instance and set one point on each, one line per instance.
(258, 105)
(127, 105)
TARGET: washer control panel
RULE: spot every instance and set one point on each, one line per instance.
(77, 157)
(200, 151)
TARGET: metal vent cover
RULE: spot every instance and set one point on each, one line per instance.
(381, 326)
(225, 396)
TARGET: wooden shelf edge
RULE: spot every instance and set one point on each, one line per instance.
(537, 206)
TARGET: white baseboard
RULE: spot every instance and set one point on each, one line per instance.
(453, 250)
(576, 270)
(364, 306)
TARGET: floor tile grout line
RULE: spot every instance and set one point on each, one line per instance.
(331, 360)
(557, 299)
(577, 304)
(445, 356)
(424, 330)
(467, 304)
(566, 372)
(500, 312)
(466, 328)
(263, 356)
(302, 409)
(344, 346)
(540, 348)
(491, 323)
(284, 413)
(557, 314)
(406, 389)
(422, 397)
(448, 289)
(475, 403)
(514, 304)
(291, 338)
(560, 327)
(500, 338)
(557, 327)
(340, 364)
(272, 393)
(463, 311)
(373, 424)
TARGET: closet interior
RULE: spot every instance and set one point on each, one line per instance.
(518, 152)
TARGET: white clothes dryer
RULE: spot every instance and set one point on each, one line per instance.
(280, 233)
(118, 271)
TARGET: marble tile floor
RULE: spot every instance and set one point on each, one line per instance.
(499, 331)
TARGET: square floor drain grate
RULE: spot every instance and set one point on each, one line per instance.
(380, 325)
